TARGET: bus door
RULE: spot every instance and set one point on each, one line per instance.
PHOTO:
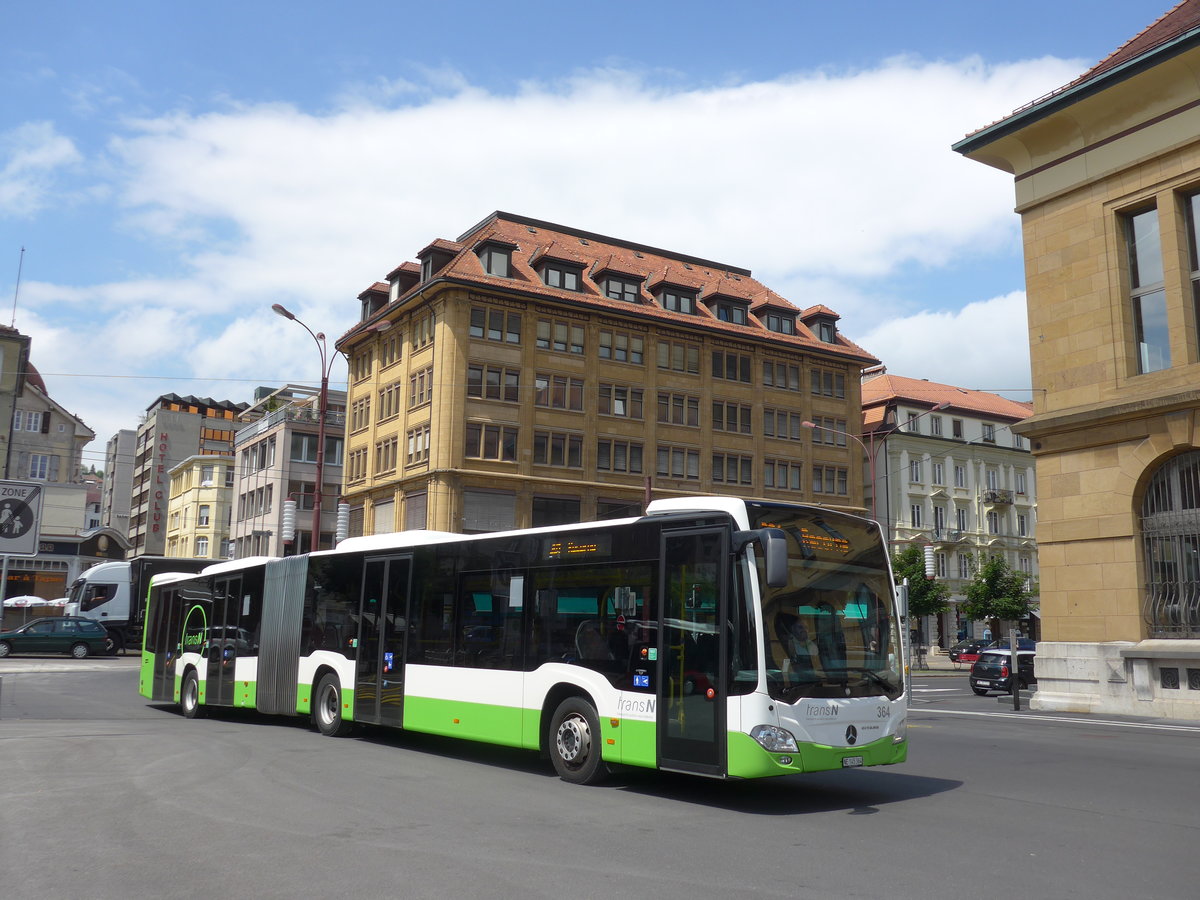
(225, 641)
(379, 683)
(692, 651)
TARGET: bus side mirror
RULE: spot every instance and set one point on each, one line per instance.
(774, 546)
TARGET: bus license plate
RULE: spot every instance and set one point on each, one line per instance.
(849, 762)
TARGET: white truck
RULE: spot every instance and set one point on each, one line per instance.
(114, 594)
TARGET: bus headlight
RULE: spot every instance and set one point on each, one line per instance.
(774, 739)
(901, 732)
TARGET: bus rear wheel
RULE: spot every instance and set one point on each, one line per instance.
(575, 743)
(189, 696)
(327, 708)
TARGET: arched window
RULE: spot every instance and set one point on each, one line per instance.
(1171, 549)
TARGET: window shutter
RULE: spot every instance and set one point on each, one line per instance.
(46, 422)
(53, 474)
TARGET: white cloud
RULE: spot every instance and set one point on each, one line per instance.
(30, 155)
(983, 346)
(830, 182)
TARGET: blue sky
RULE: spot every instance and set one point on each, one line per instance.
(174, 169)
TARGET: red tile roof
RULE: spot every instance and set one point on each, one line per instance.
(878, 392)
(534, 240)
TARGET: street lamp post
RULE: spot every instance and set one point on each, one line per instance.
(322, 412)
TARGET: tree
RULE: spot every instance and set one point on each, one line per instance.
(926, 596)
(996, 592)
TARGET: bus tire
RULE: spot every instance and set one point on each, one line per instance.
(189, 696)
(327, 708)
(574, 742)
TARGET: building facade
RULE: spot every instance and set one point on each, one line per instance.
(173, 429)
(531, 374)
(277, 460)
(118, 480)
(1107, 175)
(14, 356)
(199, 508)
(950, 472)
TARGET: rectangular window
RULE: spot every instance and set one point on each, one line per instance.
(732, 417)
(418, 445)
(729, 468)
(496, 260)
(420, 387)
(555, 448)
(205, 515)
(991, 478)
(726, 311)
(560, 336)
(829, 431)
(494, 324)
(619, 400)
(783, 476)
(913, 426)
(1019, 482)
(385, 455)
(830, 480)
(964, 565)
(679, 357)
(914, 515)
(391, 349)
(935, 426)
(939, 562)
(422, 332)
(678, 462)
(558, 392)
(620, 346)
(993, 522)
(202, 546)
(1148, 298)
(960, 476)
(731, 366)
(626, 289)
(560, 275)
(827, 384)
(619, 456)
(360, 414)
(678, 301)
(208, 476)
(1022, 525)
(783, 376)
(486, 382)
(27, 420)
(678, 409)
(784, 426)
(914, 471)
(938, 473)
(361, 365)
(497, 442)
(956, 429)
(780, 323)
(989, 432)
(960, 518)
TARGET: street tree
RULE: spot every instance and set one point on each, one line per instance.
(926, 596)
(997, 592)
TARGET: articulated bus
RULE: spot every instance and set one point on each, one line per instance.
(714, 636)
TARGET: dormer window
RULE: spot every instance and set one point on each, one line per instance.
(557, 274)
(678, 300)
(426, 268)
(827, 332)
(618, 288)
(496, 260)
(730, 311)
(781, 323)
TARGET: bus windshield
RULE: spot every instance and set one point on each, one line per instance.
(832, 631)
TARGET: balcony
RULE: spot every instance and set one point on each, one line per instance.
(998, 496)
(306, 414)
(946, 536)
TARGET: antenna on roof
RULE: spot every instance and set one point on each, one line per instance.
(17, 291)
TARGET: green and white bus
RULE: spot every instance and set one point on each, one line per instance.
(713, 636)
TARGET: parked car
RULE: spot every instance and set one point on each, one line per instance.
(1023, 643)
(58, 634)
(966, 651)
(993, 671)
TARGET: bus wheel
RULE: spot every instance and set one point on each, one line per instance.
(189, 696)
(327, 708)
(575, 743)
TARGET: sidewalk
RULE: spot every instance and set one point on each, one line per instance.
(935, 663)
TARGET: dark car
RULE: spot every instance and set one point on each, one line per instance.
(1023, 643)
(993, 671)
(966, 651)
(60, 634)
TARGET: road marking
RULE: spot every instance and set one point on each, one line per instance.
(1194, 729)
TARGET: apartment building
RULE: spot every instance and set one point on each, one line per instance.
(950, 472)
(173, 429)
(118, 480)
(277, 460)
(199, 507)
(531, 374)
(14, 356)
(1107, 178)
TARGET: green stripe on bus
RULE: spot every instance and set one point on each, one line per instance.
(146, 676)
(747, 759)
(474, 721)
(245, 694)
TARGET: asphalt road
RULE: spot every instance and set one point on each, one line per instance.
(103, 795)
